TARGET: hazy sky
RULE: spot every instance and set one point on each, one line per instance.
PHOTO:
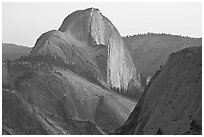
(23, 23)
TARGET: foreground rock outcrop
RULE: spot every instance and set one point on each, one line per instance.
(172, 102)
(41, 98)
(90, 43)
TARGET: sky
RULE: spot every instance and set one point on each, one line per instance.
(23, 23)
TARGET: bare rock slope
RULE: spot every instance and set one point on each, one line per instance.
(89, 41)
(172, 102)
(43, 99)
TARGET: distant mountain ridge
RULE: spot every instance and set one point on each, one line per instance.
(13, 51)
(150, 51)
(161, 34)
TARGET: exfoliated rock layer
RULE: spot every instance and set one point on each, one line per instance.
(172, 102)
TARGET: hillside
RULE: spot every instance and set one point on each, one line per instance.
(40, 98)
(150, 51)
(13, 51)
(172, 102)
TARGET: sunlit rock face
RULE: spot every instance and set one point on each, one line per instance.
(172, 101)
(86, 26)
(93, 40)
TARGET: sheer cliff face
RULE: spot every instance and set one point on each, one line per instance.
(93, 37)
(172, 102)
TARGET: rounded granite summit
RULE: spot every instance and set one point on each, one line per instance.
(88, 37)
